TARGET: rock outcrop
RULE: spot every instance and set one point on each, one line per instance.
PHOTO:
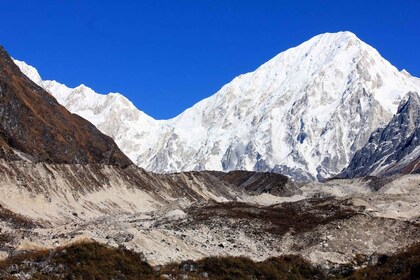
(394, 148)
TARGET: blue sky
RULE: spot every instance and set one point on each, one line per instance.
(167, 55)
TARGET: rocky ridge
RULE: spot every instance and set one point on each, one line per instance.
(394, 148)
(35, 127)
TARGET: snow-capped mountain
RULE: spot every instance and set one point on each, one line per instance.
(394, 148)
(113, 114)
(304, 113)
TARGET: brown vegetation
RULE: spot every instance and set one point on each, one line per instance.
(405, 265)
(95, 261)
(87, 261)
(33, 122)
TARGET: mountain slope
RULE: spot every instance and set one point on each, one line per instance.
(393, 148)
(113, 114)
(304, 113)
(34, 126)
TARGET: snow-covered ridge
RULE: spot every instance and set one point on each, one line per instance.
(112, 113)
(304, 113)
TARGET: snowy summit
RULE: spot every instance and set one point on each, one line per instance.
(304, 113)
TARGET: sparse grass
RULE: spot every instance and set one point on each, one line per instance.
(96, 261)
(227, 268)
(404, 265)
(87, 261)
(285, 267)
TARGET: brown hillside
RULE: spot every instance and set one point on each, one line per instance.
(32, 122)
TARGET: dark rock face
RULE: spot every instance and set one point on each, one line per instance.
(32, 122)
(394, 148)
(259, 182)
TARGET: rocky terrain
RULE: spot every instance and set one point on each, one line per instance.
(394, 148)
(327, 223)
(337, 227)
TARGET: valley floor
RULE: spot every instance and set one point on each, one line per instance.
(198, 215)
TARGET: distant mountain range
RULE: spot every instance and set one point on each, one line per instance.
(305, 114)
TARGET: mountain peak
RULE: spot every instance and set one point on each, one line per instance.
(340, 35)
(323, 47)
(303, 113)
